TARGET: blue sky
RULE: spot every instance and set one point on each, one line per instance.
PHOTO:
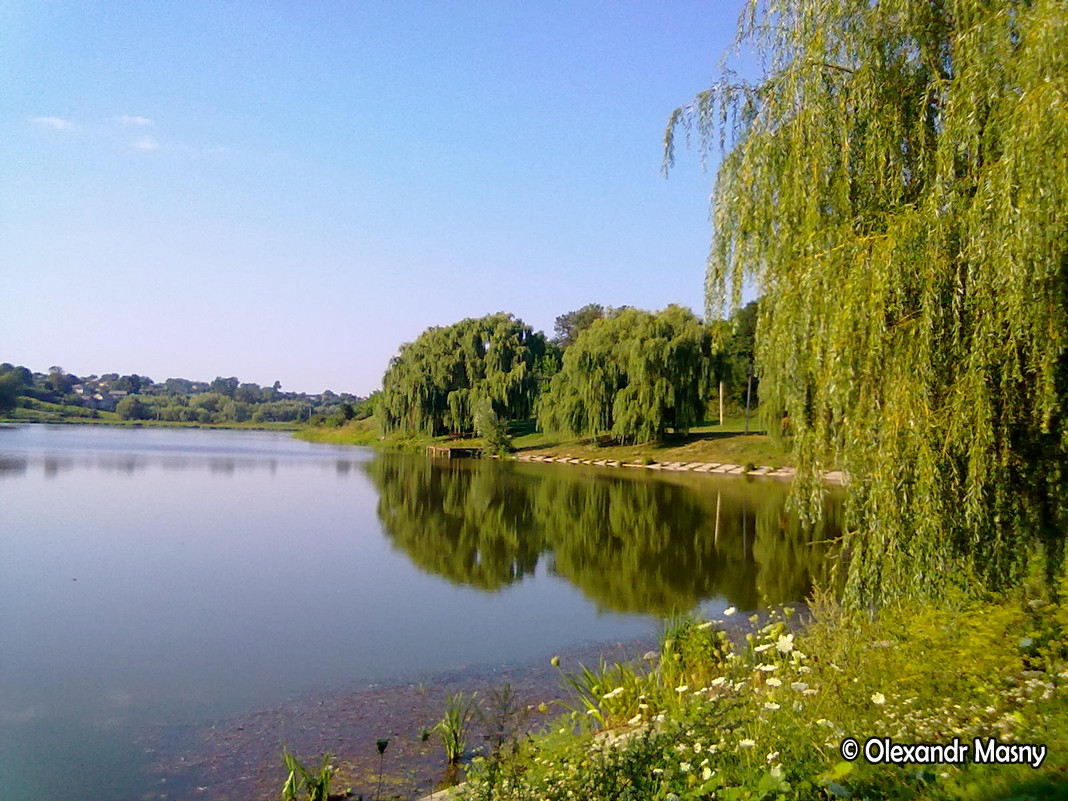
(290, 191)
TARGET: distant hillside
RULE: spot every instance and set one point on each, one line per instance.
(177, 400)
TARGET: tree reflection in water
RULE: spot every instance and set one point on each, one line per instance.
(632, 542)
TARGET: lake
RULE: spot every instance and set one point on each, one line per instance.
(174, 578)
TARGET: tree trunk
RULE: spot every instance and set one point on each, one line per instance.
(748, 396)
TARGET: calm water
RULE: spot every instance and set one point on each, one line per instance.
(155, 577)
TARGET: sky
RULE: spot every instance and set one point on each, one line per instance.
(290, 191)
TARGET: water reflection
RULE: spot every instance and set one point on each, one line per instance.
(12, 466)
(632, 543)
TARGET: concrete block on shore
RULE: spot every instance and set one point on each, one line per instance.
(703, 467)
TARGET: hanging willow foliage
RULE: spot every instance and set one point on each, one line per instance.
(634, 375)
(896, 186)
(435, 384)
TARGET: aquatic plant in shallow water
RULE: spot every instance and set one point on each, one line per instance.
(317, 785)
(453, 727)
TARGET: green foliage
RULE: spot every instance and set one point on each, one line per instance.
(767, 721)
(131, 408)
(453, 728)
(10, 389)
(895, 187)
(737, 359)
(633, 375)
(435, 384)
(609, 694)
(492, 429)
(568, 326)
(316, 785)
(692, 651)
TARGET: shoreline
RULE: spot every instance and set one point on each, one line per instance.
(240, 756)
(712, 468)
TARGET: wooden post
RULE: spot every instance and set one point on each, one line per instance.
(721, 401)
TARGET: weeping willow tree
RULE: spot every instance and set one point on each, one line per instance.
(437, 383)
(895, 185)
(634, 375)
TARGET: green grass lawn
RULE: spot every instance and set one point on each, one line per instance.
(708, 443)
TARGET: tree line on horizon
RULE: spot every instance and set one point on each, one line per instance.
(623, 373)
(137, 397)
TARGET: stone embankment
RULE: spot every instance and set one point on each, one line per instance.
(716, 468)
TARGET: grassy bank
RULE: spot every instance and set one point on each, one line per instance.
(766, 718)
(35, 411)
(709, 443)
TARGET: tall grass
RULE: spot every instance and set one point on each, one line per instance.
(460, 710)
(316, 785)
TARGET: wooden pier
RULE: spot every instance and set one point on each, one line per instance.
(437, 452)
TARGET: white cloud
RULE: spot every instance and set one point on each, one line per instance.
(146, 143)
(55, 123)
(134, 119)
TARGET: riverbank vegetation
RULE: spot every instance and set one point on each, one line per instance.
(765, 717)
(711, 442)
